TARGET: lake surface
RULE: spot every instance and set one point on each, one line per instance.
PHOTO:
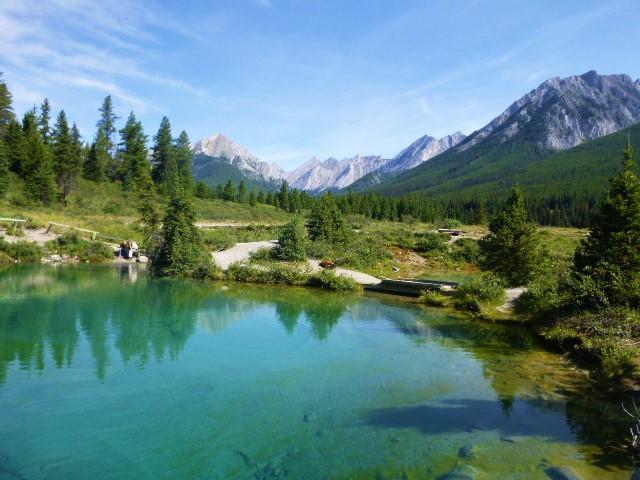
(107, 374)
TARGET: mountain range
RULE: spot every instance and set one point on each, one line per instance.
(557, 115)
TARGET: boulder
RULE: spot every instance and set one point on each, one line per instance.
(468, 451)
(143, 259)
(562, 473)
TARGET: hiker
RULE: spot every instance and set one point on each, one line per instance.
(123, 252)
(133, 248)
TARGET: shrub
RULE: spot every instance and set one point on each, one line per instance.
(262, 254)
(433, 299)
(546, 295)
(329, 280)
(291, 242)
(24, 252)
(606, 336)
(73, 245)
(479, 291)
(5, 259)
(432, 242)
(15, 230)
(271, 273)
(466, 250)
(451, 223)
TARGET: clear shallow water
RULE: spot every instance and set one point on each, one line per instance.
(105, 374)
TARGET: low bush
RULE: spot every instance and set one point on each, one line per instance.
(23, 252)
(466, 250)
(433, 299)
(15, 230)
(329, 280)
(477, 292)
(451, 223)
(432, 242)
(606, 336)
(72, 244)
(270, 273)
(263, 254)
(5, 259)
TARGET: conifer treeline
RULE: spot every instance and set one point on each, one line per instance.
(50, 159)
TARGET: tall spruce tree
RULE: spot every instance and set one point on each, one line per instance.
(326, 221)
(242, 192)
(66, 162)
(107, 123)
(78, 147)
(98, 159)
(15, 148)
(43, 121)
(4, 170)
(228, 193)
(133, 152)
(165, 169)
(184, 159)
(283, 196)
(182, 251)
(512, 248)
(6, 108)
(607, 262)
(39, 175)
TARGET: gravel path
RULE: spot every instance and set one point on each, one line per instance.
(36, 235)
(242, 251)
(512, 296)
(239, 252)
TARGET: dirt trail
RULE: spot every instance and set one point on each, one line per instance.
(37, 235)
(512, 296)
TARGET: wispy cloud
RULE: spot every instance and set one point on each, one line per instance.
(94, 45)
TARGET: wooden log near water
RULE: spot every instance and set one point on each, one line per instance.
(412, 287)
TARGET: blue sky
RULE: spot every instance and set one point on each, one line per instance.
(290, 79)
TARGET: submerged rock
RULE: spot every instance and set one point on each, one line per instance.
(468, 451)
(460, 472)
(562, 473)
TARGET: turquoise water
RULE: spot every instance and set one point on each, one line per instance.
(107, 374)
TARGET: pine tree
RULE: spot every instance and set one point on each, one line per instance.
(98, 159)
(261, 197)
(182, 252)
(149, 210)
(325, 221)
(15, 148)
(39, 175)
(512, 248)
(184, 159)
(607, 262)
(252, 198)
(291, 242)
(242, 192)
(107, 124)
(228, 193)
(133, 153)
(43, 121)
(165, 170)
(6, 108)
(78, 147)
(4, 170)
(283, 196)
(66, 162)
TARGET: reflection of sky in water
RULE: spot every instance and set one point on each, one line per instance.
(105, 373)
